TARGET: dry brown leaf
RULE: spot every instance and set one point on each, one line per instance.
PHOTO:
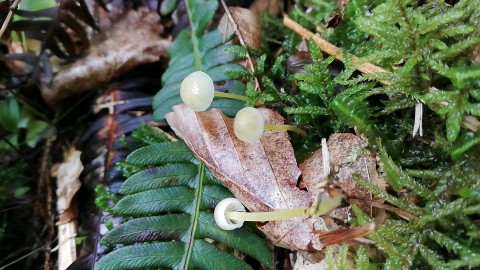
(248, 26)
(134, 40)
(346, 158)
(68, 184)
(274, 7)
(262, 175)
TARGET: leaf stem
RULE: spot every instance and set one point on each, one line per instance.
(286, 127)
(195, 42)
(230, 96)
(326, 205)
(194, 219)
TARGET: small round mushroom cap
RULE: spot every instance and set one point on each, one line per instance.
(249, 124)
(228, 205)
(197, 91)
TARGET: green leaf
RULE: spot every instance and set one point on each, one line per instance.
(192, 230)
(165, 152)
(36, 131)
(200, 14)
(207, 256)
(177, 174)
(20, 191)
(9, 114)
(147, 229)
(240, 239)
(156, 201)
(198, 52)
(34, 5)
(143, 256)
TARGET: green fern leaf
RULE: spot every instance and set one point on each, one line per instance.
(240, 239)
(142, 256)
(177, 174)
(208, 256)
(156, 201)
(165, 152)
(193, 50)
(173, 202)
(147, 229)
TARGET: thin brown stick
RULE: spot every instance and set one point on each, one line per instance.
(242, 41)
(400, 212)
(331, 49)
(9, 16)
(469, 122)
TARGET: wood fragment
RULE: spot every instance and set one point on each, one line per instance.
(330, 49)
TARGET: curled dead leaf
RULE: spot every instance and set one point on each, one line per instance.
(248, 26)
(134, 40)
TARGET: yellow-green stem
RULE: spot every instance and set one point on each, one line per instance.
(325, 206)
(230, 96)
(286, 127)
(266, 216)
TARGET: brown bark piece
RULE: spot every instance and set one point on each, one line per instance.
(133, 41)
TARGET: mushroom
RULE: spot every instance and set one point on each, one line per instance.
(249, 125)
(197, 91)
(230, 213)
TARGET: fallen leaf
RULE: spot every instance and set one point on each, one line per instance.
(273, 7)
(262, 175)
(68, 184)
(133, 41)
(248, 26)
(348, 155)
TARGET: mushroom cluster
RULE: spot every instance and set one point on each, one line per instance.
(197, 92)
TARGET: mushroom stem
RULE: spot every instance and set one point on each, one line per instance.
(230, 96)
(266, 216)
(286, 127)
(328, 201)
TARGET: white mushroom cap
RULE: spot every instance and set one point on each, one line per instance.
(197, 91)
(249, 124)
(228, 205)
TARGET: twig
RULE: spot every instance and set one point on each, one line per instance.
(242, 41)
(331, 49)
(9, 16)
(469, 122)
(404, 214)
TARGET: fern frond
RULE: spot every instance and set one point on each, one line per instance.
(173, 202)
(195, 50)
(164, 152)
(165, 255)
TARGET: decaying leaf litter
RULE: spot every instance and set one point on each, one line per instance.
(350, 160)
(264, 175)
